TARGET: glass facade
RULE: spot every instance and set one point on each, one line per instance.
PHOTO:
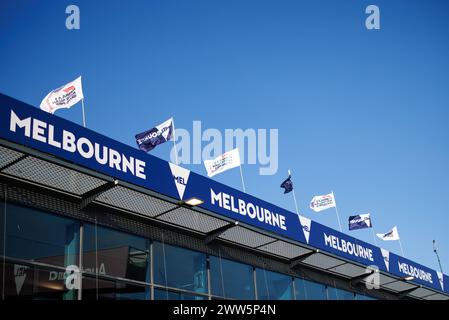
(115, 253)
(273, 286)
(35, 236)
(339, 294)
(230, 279)
(309, 290)
(42, 261)
(179, 268)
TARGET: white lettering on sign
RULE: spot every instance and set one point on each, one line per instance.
(43, 132)
(415, 272)
(240, 206)
(348, 247)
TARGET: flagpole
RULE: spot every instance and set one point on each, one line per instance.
(336, 211)
(84, 115)
(294, 195)
(372, 230)
(374, 237)
(241, 176)
(400, 245)
(174, 141)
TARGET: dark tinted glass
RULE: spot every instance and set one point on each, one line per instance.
(160, 294)
(273, 286)
(309, 290)
(42, 237)
(116, 253)
(339, 294)
(100, 289)
(179, 268)
(231, 279)
(32, 283)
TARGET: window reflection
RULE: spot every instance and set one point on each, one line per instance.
(116, 253)
(231, 279)
(32, 283)
(273, 286)
(36, 236)
(161, 294)
(179, 268)
(101, 289)
(339, 294)
(309, 290)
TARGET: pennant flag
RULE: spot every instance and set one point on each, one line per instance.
(440, 277)
(306, 224)
(390, 235)
(63, 97)
(360, 221)
(148, 140)
(226, 161)
(386, 256)
(320, 203)
(287, 184)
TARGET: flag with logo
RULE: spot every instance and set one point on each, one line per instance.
(63, 97)
(323, 202)
(360, 221)
(391, 235)
(287, 184)
(148, 140)
(226, 161)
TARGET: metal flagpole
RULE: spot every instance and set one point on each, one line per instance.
(372, 229)
(241, 176)
(294, 195)
(336, 211)
(174, 141)
(438, 257)
(374, 237)
(84, 115)
(400, 245)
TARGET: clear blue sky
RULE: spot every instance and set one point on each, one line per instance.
(363, 113)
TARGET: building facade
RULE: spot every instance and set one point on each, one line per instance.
(85, 217)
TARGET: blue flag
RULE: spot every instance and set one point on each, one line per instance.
(287, 184)
(360, 221)
(148, 140)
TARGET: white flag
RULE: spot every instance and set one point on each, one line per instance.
(393, 234)
(320, 203)
(226, 161)
(63, 97)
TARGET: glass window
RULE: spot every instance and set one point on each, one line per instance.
(179, 268)
(2, 227)
(116, 253)
(363, 297)
(231, 279)
(161, 294)
(273, 286)
(32, 283)
(113, 290)
(309, 290)
(339, 294)
(34, 235)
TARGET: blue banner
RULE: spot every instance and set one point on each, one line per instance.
(403, 268)
(340, 244)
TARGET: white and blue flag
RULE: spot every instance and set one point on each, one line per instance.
(360, 221)
(148, 140)
(391, 235)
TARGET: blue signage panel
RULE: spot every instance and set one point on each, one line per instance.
(29, 126)
(40, 130)
(242, 207)
(340, 244)
(403, 268)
